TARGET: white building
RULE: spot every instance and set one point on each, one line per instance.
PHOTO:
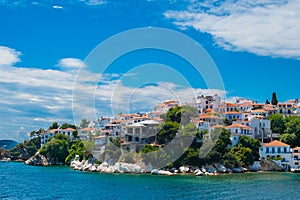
(240, 129)
(46, 136)
(86, 133)
(296, 158)
(279, 151)
(205, 102)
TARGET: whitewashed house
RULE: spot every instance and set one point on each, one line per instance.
(239, 129)
(46, 136)
(279, 151)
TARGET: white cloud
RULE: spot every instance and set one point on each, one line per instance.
(57, 7)
(95, 2)
(33, 98)
(8, 56)
(263, 27)
(71, 63)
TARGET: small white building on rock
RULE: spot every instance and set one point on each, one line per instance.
(278, 151)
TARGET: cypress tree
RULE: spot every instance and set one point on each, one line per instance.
(274, 99)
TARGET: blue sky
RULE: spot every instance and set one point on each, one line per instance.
(254, 43)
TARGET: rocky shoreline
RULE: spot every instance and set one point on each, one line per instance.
(142, 168)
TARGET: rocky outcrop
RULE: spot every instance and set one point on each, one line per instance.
(41, 160)
(105, 167)
(255, 167)
(270, 165)
(38, 160)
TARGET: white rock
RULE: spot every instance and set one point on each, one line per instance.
(161, 172)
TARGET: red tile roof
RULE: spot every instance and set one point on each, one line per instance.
(276, 143)
(237, 125)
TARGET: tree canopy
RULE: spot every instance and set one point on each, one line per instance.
(277, 123)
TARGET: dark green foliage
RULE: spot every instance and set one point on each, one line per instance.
(174, 118)
(274, 99)
(267, 101)
(116, 141)
(77, 148)
(25, 150)
(149, 148)
(289, 138)
(84, 123)
(230, 160)
(252, 144)
(66, 125)
(277, 123)
(167, 132)
(56, 149)
(36, 133)
(244, 155)
(54, 125)
(291, 134)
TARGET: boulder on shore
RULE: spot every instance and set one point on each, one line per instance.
(161, 172)
(38, 160)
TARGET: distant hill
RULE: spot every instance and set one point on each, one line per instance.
(8, 144)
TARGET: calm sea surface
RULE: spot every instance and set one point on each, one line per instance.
(18, 181)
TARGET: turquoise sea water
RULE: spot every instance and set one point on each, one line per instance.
(18, 181)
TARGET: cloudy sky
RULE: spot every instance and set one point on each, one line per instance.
(45, 49)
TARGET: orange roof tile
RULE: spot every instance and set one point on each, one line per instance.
(217, 126)
(88, 129)
(232, 112)
(208, 117)
(258, 110)
(275, 143)
(237, 125)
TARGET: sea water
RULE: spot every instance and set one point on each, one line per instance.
(19, 181)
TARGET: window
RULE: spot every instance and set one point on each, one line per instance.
(267, 150)
(273, 150)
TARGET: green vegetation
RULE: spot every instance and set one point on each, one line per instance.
(288, 128)
(61, 150)
(56, 150)
(81, 148)
(84, 123)
(277, 123)
(24, 150)
(174, 118)
(274, 100)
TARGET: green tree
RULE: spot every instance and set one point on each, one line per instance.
(149, 148)
(78, 148)
(230, 160)
(293, 127)
(252, 144)
(274, 99)
(167, 132)
(267, 101)
(289, 138)
(54, 125)
(221, 146)
(277, 123)
(84, 123)
(66, 125)
(56, 149)
(244, 155)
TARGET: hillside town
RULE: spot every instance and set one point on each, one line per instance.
(242, 118)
